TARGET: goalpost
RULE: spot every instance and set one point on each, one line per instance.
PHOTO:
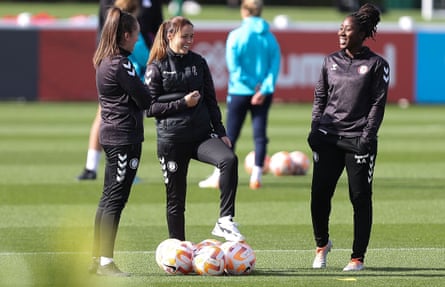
(433, 9)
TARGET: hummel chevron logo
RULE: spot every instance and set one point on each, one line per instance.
(371, 168)
(130, 69)
(121, 167)
(386, 74)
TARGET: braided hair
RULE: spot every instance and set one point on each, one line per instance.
(367, 18)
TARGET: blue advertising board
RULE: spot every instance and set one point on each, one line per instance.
(430, 88)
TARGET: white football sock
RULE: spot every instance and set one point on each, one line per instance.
(216, 172)
(105, 260)
(257, 172)
(93, 158)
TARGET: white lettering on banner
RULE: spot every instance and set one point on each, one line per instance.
(297, 70)
(302, 70)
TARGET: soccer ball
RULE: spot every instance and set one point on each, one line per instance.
(206, 242)
(249, 162)
(209, 260)
(175, 256)
(164, 245)
(240, 258)
(280, 163)
(300, 163)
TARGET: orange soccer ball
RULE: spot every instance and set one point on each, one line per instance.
(280, 163)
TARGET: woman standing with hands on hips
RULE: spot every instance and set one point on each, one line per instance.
(349, 103)
(122, 98)
(189, 126)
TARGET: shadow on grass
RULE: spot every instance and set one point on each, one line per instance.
(369, 271)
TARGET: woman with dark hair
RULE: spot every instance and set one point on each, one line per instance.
(349, 103)
(122, 98)
(188, 123)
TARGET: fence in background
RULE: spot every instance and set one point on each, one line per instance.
(54, 63)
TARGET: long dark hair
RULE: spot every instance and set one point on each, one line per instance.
(367, 18)
(169, 27)
(116, 25)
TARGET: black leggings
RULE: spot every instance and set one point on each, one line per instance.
(175, 159)
(121, 166)
(331, 155)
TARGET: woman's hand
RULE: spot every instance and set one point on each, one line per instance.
(257, 99)
(227, 141)
(192, 99)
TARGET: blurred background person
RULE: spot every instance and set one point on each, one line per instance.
(149, 14)
(253, 62)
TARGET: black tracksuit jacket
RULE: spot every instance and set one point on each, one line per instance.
(350, 95)
(122, 97)
(181, 74)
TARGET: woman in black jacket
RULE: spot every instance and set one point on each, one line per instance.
(349, 103)
(122, 98)
(189, 126)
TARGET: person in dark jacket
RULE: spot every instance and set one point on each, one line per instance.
(122, 98)
(189, 126)
(149, 14)
(349, 104)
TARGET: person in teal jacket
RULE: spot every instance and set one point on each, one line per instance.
(253, 62)
(139, 56)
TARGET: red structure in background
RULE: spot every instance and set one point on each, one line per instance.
(66, 72)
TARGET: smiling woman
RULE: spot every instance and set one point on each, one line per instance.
(349, 104)
(189, 127)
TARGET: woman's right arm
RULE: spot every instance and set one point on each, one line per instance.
(158, 108)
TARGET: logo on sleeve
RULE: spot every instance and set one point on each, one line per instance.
(386, 74)
(130, 69)
(148, 75)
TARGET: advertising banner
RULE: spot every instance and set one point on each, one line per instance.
(302, 54)
(65, 71)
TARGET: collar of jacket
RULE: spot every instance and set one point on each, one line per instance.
(359, 55)
(124, 52)
(170, 52)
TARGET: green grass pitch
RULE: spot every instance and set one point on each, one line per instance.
(46, 216)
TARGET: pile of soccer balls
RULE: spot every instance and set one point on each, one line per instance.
(281, 163)
(208, 257)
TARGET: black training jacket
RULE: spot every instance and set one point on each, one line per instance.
(350, 96)
(169, 80)
(122, 97)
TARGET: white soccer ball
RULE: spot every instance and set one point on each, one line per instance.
(281, 21)
(206, 242)
(175, 256)
(406, 23)
(209, 260)
(240, 258)
(191, 7)
(249, 162)
(300, 162)
(164, 245)
(24, 19)
(280, 163)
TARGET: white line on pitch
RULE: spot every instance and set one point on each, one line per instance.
(258, 251)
